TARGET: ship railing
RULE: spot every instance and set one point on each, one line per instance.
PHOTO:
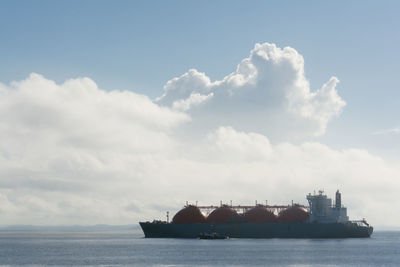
(244, 208)
(360, 222)
(159, 222)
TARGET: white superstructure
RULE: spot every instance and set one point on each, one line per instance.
(322, 210)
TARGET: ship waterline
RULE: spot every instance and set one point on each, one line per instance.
(258, 230)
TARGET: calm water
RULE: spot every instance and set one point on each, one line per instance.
(130, 248)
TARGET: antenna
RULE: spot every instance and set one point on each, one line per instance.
(167, 216)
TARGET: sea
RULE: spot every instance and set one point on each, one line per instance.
(128, 247)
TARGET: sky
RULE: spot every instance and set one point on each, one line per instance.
(117, 111)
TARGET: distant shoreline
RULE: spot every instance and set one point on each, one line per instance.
(97, 227)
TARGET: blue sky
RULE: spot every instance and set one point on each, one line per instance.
(139, 45)
(71, 151)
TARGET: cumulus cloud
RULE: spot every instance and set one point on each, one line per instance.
(73, 153)
(194, 99)
(75, 139)
(80, 114)
(245, 166)
(268, 90)
(239, 146)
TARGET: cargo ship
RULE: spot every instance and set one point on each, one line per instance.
(321, 219)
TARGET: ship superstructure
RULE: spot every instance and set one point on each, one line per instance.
(322, 210)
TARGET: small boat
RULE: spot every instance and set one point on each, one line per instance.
(212, 235)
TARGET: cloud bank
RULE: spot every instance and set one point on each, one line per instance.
(73, 153)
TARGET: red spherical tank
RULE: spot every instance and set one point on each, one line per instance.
(189, 214)
(259, 214)
(222, 214)
(293, 214)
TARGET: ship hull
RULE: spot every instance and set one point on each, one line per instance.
(257, 230)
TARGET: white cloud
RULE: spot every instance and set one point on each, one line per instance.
(239, 146)
(76, 154)
(388, 131)
(246, 166)
(193, 100)
(70, 142)
(78, 113)
(268, 92)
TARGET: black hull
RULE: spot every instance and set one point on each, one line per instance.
(257, 230)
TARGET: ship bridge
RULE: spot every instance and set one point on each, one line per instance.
(322, 210)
